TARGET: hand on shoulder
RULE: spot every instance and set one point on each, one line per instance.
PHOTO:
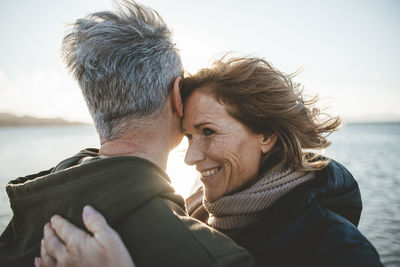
(64, 244)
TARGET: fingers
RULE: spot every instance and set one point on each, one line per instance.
(194, 201)
(103, 234)
(97, 225)
(68, 233)
(45, 259)
(72, 246)
(94, 221)
(52, 244)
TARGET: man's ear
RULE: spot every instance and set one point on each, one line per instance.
(268, 142)
(177, 104)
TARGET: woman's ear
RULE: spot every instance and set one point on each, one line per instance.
(177, 104)
(268, 142)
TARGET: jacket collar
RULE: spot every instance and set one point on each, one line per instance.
(334, 189)
(340, 192)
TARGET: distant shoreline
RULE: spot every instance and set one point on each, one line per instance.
(10, 120)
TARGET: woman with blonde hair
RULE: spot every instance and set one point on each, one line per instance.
(255, 140)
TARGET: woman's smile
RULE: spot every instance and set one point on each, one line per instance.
(209, 173)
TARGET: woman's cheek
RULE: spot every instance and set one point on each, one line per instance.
(213, 147)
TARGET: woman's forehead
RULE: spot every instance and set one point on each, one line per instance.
(202, 106)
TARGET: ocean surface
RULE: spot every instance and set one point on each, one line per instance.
(370, 151)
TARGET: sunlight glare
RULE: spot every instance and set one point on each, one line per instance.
(183, 177)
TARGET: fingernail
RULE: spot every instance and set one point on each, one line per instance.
(88, 211)
(54, 219)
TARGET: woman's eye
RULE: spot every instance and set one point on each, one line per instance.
(208, 131)
(188, 136)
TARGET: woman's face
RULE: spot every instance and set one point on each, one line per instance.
(225, 152)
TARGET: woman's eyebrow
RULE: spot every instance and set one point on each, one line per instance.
(196, 126)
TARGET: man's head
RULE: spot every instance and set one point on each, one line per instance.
(125, 63)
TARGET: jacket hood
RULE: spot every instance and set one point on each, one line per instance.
(116, 186)
(340, 192)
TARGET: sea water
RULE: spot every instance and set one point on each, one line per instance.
(370, 151)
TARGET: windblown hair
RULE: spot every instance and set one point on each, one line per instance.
(267, 101)
(125, 63)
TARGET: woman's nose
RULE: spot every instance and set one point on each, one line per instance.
(194, 154)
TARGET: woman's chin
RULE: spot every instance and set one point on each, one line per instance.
(210, 196)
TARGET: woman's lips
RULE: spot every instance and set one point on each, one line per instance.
(209, 174)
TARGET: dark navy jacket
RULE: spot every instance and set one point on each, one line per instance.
(313, 225)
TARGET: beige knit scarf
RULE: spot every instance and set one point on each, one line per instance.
(245, 208)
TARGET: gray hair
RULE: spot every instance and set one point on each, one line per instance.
(125, 63)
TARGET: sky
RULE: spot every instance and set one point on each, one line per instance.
(348, 50)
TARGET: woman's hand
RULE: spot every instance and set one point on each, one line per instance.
(195, 208)
(66, 245)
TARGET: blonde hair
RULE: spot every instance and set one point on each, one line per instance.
(267, 101)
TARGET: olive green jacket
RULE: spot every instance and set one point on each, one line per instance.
(138, 201)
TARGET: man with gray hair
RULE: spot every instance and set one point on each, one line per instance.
(130, 73)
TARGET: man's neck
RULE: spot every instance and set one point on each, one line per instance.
(151, 150)
(151, 140)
